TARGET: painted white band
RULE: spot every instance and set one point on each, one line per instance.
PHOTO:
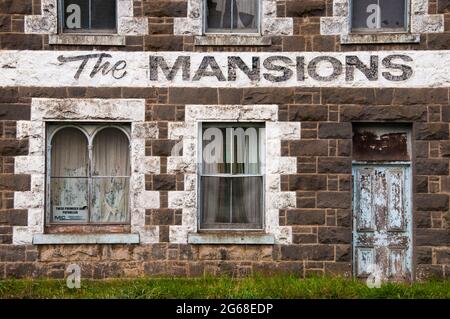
(283, 69)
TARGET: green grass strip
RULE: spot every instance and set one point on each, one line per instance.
(274, 287)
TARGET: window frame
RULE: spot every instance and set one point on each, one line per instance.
(257, 125)
(231, 31)
(405, 29)
(54, 127)
(62, 30)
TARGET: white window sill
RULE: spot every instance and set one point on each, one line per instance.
(232, 40)
(380, 38)
(228, 239)
(68, 239)
(87, 39)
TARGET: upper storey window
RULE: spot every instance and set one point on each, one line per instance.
(232, 16)
(88, 16)
(379, 15)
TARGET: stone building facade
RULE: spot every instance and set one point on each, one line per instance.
(355, 155)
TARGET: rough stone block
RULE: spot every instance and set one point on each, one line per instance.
(305, 217)
(309, 148)
(424, 255)
(307, 182)
(431, 202)
(306, 8)
(383, 113)
(335, 130)
(12, 147)
(193, 96)
(308, 113)
(10, 182)
(309, 252)
(14, 112)
(432, 131)
(334, 199)
(335, 235)
(335, 165)
(432, 167)
(165, 8)
(432, 237)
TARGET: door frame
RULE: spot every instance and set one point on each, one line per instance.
(409, 209)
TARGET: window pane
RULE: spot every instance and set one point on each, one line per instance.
(69, 153)
(247, 201)
(218, 14)
(216, 150)
(392, 14)
(110, 199)
(246, 151)
(103, 14)
(245, 15)
(69, 199)
(232, 15)
(76, 14)
(378, 14)
(215, 194)
(111, 153)
(85, 15)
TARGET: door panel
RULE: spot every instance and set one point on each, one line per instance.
(382, 221)
(365, 217)
(365, 258)
(397, 263)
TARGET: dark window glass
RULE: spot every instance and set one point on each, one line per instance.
(88, 15)
(378, 15)
(232, 16)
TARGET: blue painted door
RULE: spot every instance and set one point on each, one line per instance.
(382, 227)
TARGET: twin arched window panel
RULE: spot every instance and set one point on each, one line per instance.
(88, 174)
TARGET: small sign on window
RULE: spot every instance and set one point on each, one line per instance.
(68, 213)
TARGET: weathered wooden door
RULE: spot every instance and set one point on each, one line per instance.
(382, 221)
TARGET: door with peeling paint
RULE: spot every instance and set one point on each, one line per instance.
(382, 241)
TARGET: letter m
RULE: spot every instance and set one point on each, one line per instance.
(183, 62)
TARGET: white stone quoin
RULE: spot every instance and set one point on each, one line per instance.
(274, 165)
(85, 110)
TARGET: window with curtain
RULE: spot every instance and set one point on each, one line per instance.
(231, 178)
(379, 15)
(89, 174)
(88, 16)
(232, 16)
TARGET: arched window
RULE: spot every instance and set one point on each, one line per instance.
(88, 179)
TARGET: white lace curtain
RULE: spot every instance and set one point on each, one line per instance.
(110, 194)
(69, 176)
